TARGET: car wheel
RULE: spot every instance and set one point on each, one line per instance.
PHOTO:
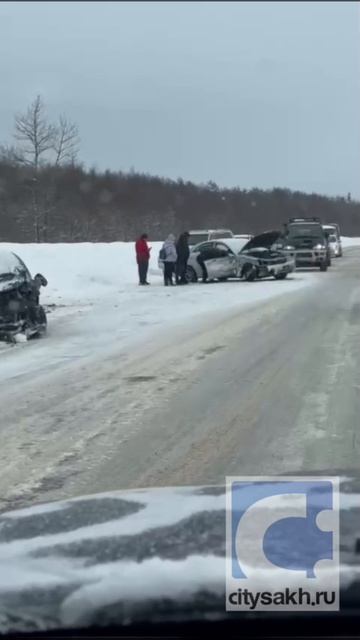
(323, 266)
(191, 275)
(222, 279)
(280, 276)
(249, 272)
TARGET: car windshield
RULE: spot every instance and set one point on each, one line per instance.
(307, 236)
(303, 230)
(178, 313)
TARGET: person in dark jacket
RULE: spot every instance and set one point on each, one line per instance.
(142, 258)
(183, 252)
(209, 254)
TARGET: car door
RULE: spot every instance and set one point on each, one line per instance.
(222, 267)
(196, 251)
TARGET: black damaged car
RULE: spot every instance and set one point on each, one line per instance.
(21, 314)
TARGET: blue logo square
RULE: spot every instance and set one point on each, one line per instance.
(293, 542)
(283, 527)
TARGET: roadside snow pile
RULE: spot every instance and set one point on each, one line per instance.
(83, 272)
(350, 242)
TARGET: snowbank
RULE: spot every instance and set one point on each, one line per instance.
(8, 262)
(83, 272)
(350, 242)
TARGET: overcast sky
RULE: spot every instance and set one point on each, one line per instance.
(248, 94)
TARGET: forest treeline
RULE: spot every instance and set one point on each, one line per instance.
(46, 195)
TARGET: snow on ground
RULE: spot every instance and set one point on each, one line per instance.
(99, 307)
(350, 242)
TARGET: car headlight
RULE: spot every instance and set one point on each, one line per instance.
(319, 246)
(289, 248)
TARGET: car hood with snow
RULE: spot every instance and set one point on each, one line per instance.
(131, 556)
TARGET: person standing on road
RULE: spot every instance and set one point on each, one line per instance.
(142, 258)
(183, 252)
(170, 257)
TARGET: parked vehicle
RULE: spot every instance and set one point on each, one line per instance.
(334, 244)
(197, 236)
(334, 229)
(247, 260)
(20, 309)
(337, 227)
(202, 235)
(305, 238)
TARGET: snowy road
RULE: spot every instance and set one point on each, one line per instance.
(184, 386)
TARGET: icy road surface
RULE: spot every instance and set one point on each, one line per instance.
(143, 386)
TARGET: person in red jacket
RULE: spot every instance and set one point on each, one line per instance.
(142, 257)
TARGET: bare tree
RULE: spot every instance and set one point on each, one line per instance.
(35, 136)
(66, 142)
(34, 133)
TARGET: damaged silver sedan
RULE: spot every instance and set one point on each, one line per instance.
(235, 258)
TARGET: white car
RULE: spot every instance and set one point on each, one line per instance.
(238, 258)
(334, 246)
(338, 235)
(201, 235)
(334, 240)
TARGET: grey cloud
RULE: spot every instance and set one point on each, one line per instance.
(255, 94)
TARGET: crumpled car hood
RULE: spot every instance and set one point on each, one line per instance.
(128, 556)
